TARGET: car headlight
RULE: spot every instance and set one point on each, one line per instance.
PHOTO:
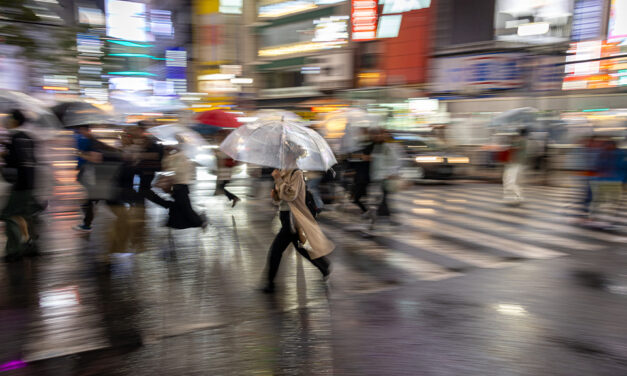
(429, 159)
(458, 160)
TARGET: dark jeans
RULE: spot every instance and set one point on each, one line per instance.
(222, 188)
(146, 192)
(182, 215)
(383, 210)
(88, 211)
(280, 244)
(360, 189)
(22, 204)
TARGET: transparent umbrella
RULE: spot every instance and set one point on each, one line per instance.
(41, 119)
(195, 146)
(274, 143)
(75, 113)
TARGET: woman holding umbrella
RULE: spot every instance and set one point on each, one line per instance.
(298, 225)
(290, 148)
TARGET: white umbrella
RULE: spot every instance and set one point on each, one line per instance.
(272, 143)
(40, 118)
(80, 112)
(195, 147)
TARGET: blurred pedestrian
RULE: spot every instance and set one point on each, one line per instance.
(514, 167)
(21, 208)
(385, 165)
(607, 185)
(314, 178)
(86, 146)
(298, 225)
(180, 172)
(359, 163)
(225, 172)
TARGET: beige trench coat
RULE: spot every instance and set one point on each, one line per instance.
(291, 189)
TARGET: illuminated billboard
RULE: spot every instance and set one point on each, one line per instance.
(617, 27)
(589, 66)
(533, 22)
(127, 20)
(363, 19)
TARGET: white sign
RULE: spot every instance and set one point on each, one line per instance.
(331, 29)
(402, 6)
(617, 28)
(127, 20)
(533, 21)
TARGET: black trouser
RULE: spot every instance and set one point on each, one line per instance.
(146, 192)
(280, 244)
(383, 209)
(360, 189)
(222, 187)
(88, 211)
(182, 215)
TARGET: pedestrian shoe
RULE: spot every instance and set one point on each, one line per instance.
(327, 274)
(235, 201)
(82, 228)
(268, 289)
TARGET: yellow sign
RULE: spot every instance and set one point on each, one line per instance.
(207, 6)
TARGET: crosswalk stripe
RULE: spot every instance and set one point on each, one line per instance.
(481, 239)
(541, 206)
(418, 268)
(471, 208)
(510, 230)
(480, 260)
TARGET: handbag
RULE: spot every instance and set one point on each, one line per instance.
(165, 183)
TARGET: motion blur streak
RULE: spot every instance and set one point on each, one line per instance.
(313, 187)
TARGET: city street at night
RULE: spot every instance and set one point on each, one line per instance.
(462, 285)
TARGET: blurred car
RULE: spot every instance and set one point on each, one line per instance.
(428, 158)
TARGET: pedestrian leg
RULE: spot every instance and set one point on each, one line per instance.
(322, 263)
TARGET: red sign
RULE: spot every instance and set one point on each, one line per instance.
(364, 19)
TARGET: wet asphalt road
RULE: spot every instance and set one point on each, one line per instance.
(462, 285)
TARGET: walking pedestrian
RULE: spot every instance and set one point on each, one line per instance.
(86, 146)
(225, 171)
(298, 226)
(385, 165)
(181, 172)
(514, 167)
(359, 163)
(21, 208)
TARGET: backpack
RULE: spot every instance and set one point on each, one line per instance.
(309, 200)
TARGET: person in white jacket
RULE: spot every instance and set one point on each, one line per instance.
(181, 171)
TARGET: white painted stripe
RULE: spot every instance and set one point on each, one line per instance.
(524, 220)
(418, 268)
(477, 224)
(529, 204)
(481, 239)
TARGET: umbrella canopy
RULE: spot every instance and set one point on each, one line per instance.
(218, 118)
(40, 118)
(76, 113)
(195, 147)
(518, 117)
(275, 143)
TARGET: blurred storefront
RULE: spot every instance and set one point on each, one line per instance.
(302, 50)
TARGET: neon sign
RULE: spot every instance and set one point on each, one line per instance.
(364, 19)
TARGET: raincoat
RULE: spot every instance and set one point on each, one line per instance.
(290, 187)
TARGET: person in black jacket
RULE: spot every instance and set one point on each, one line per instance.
(21, 207)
